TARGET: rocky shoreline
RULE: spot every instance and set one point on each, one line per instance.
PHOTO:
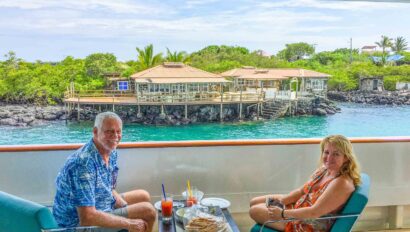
(372, 97)
(28, 115)
(317, 106)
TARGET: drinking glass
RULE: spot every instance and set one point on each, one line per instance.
(166, 208)
(195, 198)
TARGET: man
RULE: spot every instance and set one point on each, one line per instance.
(86, 184)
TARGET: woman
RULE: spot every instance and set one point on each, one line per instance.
(325, 193)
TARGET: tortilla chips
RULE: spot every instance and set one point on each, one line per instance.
(203, 224)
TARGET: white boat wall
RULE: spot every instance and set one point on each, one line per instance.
(236, 170)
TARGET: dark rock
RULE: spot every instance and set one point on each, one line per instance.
(8, 122)
(5, 114)
(337, 96)
(49, 116)
(27, 119)
(177, 114)
(371, 97)
(39, 115)
(301, 111)
(330, 111)
(318, 111)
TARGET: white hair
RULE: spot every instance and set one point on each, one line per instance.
(99, 119)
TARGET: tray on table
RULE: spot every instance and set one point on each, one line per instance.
(177, 226)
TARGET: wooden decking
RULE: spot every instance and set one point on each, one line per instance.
(133, 101)
(114, 97)
(165, 99)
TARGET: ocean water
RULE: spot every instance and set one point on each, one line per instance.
(355, 120)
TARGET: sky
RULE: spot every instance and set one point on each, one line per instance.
(50, 30)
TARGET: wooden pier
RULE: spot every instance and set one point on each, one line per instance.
(75, 100)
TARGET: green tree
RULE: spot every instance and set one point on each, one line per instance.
(221, 58)
(177, 56)
(399, 44)
(296, 51)
(384, 43)
(11, 63)
(146, 57)
(99, 63)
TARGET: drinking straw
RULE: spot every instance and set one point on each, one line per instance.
(163, 192)
(189, 189)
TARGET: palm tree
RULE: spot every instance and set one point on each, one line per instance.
(400, 44)
(177, 56)
(384, 43)
(146, 57)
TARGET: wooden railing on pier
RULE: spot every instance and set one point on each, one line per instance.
(111, 96)
(98, 93)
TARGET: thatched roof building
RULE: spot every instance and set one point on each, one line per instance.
(272, 74)
(175, 72)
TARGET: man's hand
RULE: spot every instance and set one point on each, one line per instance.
(119, 201)
(137, 225)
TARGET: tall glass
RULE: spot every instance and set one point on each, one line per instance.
(191, 200)
(166, 208)
(195, 198)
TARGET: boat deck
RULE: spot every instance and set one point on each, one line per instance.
(236, 170)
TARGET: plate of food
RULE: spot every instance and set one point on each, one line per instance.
(180, 214)
(214, 201)
(206, 224)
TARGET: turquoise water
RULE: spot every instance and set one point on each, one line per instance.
(355, 120)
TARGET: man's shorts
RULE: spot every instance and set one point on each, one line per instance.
(122, 212)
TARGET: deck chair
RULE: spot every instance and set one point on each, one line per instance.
(347, 217)
(20, 215)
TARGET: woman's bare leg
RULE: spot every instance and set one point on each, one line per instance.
(259, 213)
(258, 200)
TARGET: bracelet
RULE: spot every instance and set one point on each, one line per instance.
(283, 214)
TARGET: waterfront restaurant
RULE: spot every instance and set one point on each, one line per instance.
(272, 81)
(177, 82)
(171, 83)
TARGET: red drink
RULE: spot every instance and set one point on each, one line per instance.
(166, 208)
(191, 201)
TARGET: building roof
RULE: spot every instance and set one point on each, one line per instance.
(175, 72)
(369, 47)
(118, 79)
(272, 74)
(371, 77)
(180, 80)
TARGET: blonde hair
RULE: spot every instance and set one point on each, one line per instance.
(350, 168)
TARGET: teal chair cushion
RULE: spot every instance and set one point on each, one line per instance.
(19, 215)
(355, 205)
(257, 228)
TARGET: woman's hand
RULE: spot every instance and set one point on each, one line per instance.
(275, 212)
